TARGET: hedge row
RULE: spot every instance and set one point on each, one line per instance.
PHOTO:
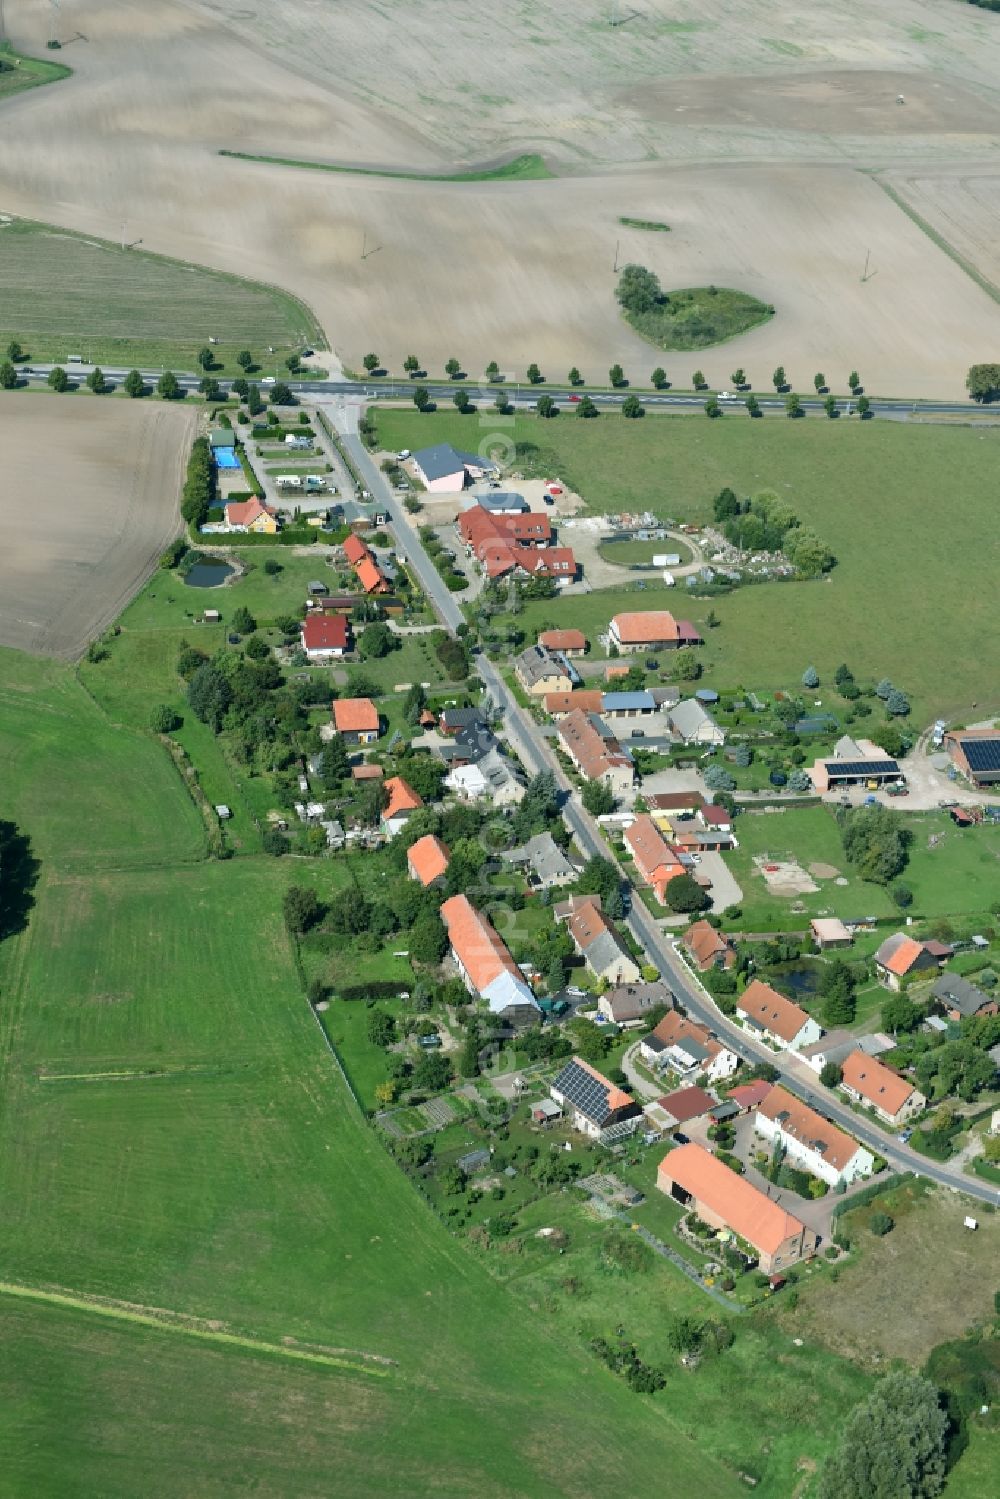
(875, 1189)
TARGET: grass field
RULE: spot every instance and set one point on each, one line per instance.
(18, 72)
(698, 317)
(956, 877)
(177, 1137)
(63, 293)
(904, 509)
(930, 1253)
(527, 168)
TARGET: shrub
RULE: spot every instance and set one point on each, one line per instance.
(164, 719)
(880, 1224)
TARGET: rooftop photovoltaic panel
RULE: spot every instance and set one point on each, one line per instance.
(589, 1095)
(861, 768)
(982, 754)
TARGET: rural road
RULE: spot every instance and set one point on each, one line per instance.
(524, 398)
(536, 755)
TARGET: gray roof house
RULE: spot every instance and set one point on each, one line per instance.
(502, 502)
(628, 1002)
(442, 461)
(549, 866)
(962, 999)
(693, 724)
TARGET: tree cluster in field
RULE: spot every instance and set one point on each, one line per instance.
(767, 523)
(876, 843)
(983, 380)
(893, 1445)
(199, 484)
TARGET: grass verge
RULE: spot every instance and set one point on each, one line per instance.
(18, 72)
(528, 168)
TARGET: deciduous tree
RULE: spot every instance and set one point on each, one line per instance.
(892, 1445)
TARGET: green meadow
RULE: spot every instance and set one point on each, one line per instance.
(908, 510)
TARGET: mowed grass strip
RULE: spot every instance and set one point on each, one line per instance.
(18, 72)
(907, 510)
(527, 168)
(63, 293)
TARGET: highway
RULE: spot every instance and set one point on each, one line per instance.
(523, 397)
(536, 755)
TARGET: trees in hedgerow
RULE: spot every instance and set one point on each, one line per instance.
(574, 377)
(452, 368)
(96, 381)
(875, 842)
(819, 380)
(778, 379)
(168, 387)
(421, 398)
(58, 379)
(864, 407)
(8, 376)
(15, 351)
(133, 385)
(739, 377)
(616, 376)
(658, 379)
(830, 407)
(794, 406)
(698, 381)
(461, 401)
(753, 405)
(545, 406)
(632, 408)
(586, 407)
(206, 358)
(893, 1444)
(411, 365)
(712, 407)
(371, 363)
(245, 360)
(196, 496)
(534, 374)
(854, 381)
(210, 388)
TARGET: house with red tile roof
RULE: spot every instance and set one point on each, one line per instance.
(251, 515)
(767, 1013)
(651, 630)
(686, 1104)
(586, 699)
(747, 1096)
(706, 1185)
(655, 861)
(595, 752)
(900, 956)
(356, 719)
(871, 1082)
(568, 642)
(371, 576)
(596, 1107)
(325, 635)
(600, 946)
(485, 963)
(687, 1048)
(401, 801)
(427, 860)
(809, 1140)
(708, 948)
(355, 550)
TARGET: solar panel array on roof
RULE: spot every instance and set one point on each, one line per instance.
(982, 754)
(583, 1091)
(862, 768)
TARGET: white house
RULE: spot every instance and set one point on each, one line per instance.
(768, 1013)
(810, 1141)
(687, 1048)
(692, 723)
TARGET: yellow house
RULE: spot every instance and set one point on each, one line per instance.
(251, 515)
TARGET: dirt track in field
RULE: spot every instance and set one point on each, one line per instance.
(88, 503)
(752, 146)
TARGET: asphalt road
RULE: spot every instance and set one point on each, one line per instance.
(537, 755)
(524, 397)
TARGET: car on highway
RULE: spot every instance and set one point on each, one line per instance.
(573, 399)
(268, 380)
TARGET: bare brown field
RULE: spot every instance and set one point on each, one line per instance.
(89, 501)
(929, 1263)
(663, 118)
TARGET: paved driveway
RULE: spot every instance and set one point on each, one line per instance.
(725, 890)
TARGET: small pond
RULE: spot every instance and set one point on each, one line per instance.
(209, 572)
(802, 979)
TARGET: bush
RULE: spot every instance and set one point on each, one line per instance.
(164, 719)
(880, 1224)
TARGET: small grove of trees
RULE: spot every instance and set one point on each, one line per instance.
(767, 523)
(893, 1444)
(875, 842)
(837, 986)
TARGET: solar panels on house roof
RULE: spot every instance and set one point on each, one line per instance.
(862, 768)
(982, 754)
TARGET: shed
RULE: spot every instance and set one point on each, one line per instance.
(317, 587)
(222, 812)
(211, 616)
(474, 1160)
(545, 1111)
(707, 695)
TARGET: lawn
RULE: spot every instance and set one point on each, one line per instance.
(175, 1136)
(64, 293)
(878, 492)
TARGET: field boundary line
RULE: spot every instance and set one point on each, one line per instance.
(174, 1322)
(935, 236)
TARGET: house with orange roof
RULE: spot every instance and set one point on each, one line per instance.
(809, 1140)
(687, 1048)
(656, 862)
(595, 1106)
(708, 948)
(701, 1182)
(595, 751)
(767, 1013)
(355, 550)
(871, 1082)
(371, 576)
(600, 946)
(558, 704)
(900, 956)
(427, 860)
(485, 963)
(356, 719)
(567, 642)
(251, 515)
(401, 801)
(651, 630)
